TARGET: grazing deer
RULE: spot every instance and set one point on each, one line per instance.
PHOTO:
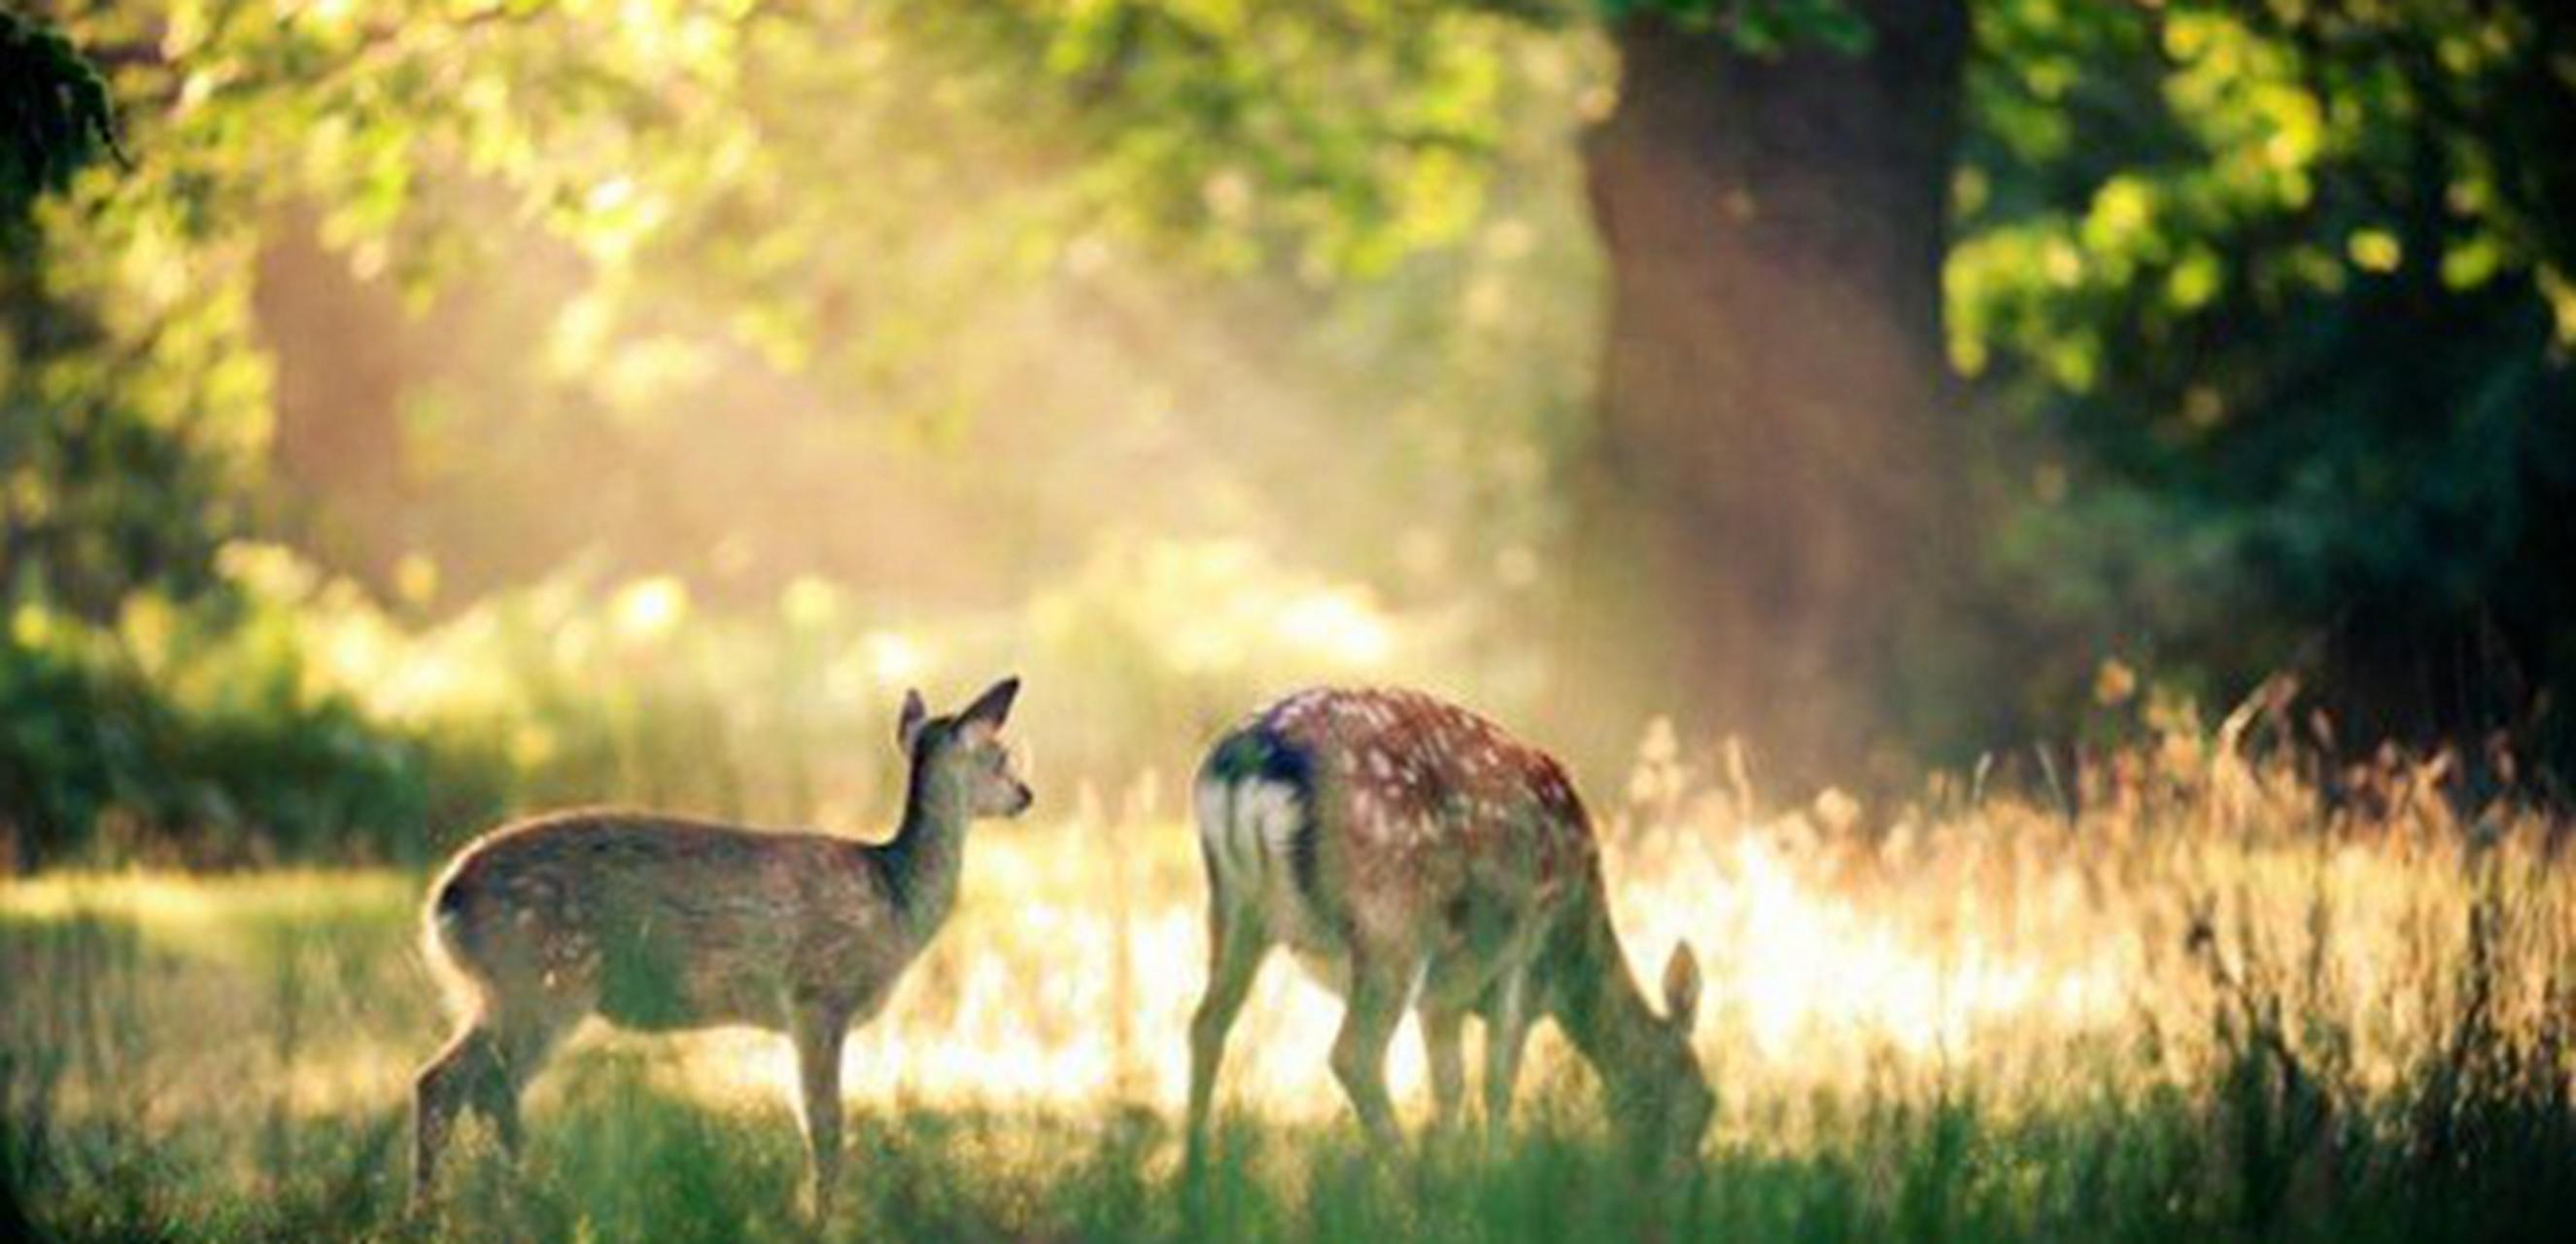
(1415, 856)
(659, 924)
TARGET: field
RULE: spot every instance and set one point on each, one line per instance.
(2029, 521)
(2187, 995)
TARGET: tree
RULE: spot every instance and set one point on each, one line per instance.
(1772, 207)
(2279, 301)
(1771, 483)
(95, 497)
(1765, 497)
(54, 118)
(2225, 274)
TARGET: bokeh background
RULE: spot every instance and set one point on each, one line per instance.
(435, 408)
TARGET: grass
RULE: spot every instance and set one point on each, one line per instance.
(2194, 996)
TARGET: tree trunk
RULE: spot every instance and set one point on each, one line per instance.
(339, 346)
(1766, 498)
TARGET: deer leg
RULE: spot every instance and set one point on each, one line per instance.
(1375, 1007)
(1443, 1033)
(1236, 949)
(818, 1034)
(447, 1084)
(520, 1051)
(1507, 1028)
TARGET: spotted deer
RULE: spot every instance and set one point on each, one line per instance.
(659, 923)
(1415, 856)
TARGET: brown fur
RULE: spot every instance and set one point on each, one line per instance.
(1417, 856)
(661, 923)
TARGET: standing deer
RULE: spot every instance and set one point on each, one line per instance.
(659, 924)
(1415, 856)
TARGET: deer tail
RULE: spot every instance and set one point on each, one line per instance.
(442, 932)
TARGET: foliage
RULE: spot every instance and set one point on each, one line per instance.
(197, 731)
(668, 161)
(285, 714)
(55, 116)
(2268, 308)
(96, 497)
(2276, 293)
(114, 473)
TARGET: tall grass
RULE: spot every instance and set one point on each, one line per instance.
(2201, 988)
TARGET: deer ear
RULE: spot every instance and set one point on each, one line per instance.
(1681, 988)
(994, 706)
(907, 727)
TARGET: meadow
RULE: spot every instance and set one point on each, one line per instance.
(2203, 987)
(420, 413)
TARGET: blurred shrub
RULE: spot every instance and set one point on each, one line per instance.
(288, 714)
(194, 730)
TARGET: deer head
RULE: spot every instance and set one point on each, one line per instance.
(1665, 1104)
(959, 761)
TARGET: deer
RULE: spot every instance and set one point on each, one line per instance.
(661, 923)
(1415, 856)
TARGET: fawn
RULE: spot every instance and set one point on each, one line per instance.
(1415, 856)
(658, 923)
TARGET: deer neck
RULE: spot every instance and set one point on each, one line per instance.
(1600, 1007)
(927, 855)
